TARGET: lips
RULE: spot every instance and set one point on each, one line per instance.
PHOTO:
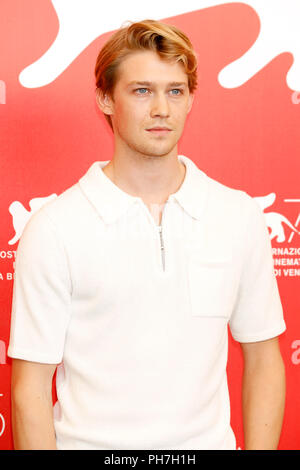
(159, 130)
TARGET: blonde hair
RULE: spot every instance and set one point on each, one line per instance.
(169, 42)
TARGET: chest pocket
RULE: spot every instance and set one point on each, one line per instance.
(211, 287)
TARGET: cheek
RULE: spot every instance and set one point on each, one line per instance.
(179, 114)
(130, 114)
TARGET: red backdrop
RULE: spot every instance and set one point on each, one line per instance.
(243, 131)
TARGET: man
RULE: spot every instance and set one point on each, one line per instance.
(129, 279)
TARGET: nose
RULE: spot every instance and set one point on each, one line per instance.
(160, 106)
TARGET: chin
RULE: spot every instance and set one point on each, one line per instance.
(157, 153)
(155, 150)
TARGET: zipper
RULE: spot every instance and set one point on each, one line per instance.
(159, 227)
(162, 247)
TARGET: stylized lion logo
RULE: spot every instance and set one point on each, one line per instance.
(82, 21)
(275, 220)
(20, 215)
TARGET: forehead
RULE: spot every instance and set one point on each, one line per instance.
(148, 66)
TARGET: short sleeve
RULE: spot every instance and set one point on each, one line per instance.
(41, 293)
(258, 313)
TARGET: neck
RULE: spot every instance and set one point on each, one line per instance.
(152, 178)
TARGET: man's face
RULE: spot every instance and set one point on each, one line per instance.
(150, 94)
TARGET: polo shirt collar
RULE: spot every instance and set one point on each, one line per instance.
(111, 202)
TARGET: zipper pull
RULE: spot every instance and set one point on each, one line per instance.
(162, 248)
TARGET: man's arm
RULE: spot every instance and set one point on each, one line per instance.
(263, 394)
(32, 407)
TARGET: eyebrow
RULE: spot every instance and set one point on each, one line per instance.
(146, 83)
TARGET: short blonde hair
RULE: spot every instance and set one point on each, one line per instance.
(169, 42)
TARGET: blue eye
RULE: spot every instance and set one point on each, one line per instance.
(177, 90)
(139, 89)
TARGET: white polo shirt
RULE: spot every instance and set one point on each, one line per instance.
(138, 319)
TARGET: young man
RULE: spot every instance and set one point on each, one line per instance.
(130, 278)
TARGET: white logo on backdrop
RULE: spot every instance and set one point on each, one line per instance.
(20, 215)
(82, 21)
(274, 220)
(2, 421)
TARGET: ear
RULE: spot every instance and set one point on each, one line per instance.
(105, 102)
(190, 102)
